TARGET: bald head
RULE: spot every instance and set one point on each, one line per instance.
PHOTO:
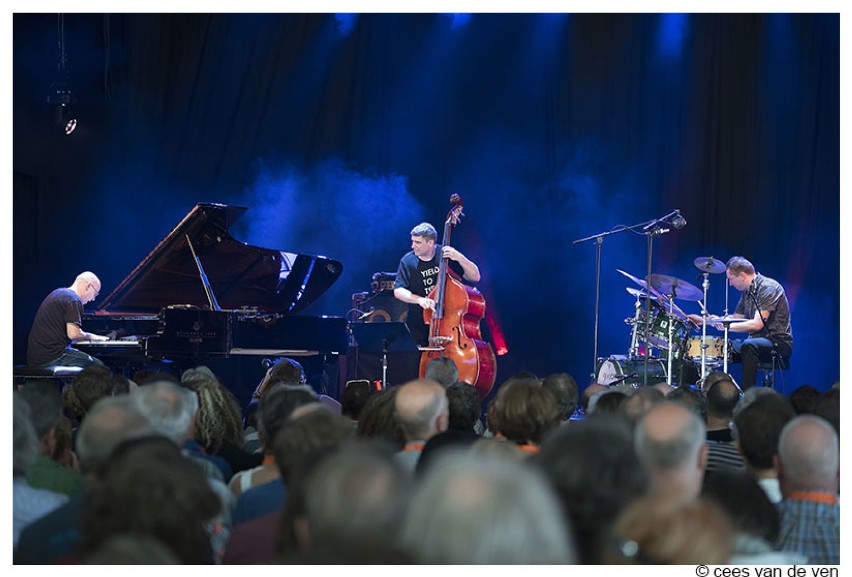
(87, 286)
(670, 443)
(808, 456)
(421, 408)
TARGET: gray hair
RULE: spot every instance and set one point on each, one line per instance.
(425, 230)
(110, 421)
(169, 408)
(481, 509)
(676, 447)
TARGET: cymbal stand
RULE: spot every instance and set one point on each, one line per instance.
(705, 285)
(726, 326)
(634, 334)
(671, 351)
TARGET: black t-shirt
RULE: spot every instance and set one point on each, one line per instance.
(48, 335)
(420, 277)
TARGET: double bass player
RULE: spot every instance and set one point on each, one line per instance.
(418, 272)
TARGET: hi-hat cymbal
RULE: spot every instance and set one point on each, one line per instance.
(675, 287)
(709, 264)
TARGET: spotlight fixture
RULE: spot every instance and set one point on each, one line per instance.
(63, 113)
(61, 97)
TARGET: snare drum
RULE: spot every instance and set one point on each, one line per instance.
(620, 369)
(715, 351)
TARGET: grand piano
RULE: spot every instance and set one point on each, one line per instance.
(202, 293)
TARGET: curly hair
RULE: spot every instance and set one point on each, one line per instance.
(218, 414)
(92, 383)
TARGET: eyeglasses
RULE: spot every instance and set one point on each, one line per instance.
(97, 291)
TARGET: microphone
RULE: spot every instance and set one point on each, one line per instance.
(678, 221)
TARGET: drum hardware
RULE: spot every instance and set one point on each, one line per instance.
(708, 266)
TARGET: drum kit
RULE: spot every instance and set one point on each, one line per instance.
(660, 340)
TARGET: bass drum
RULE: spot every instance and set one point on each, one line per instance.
(619, 369)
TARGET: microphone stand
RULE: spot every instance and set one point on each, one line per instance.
(598, 238)
(650, 229)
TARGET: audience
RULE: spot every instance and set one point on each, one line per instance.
(422, 410)
(28, 503)
(722, 396)
(485, 510)
(54, 468)
(523, 413)
(656, 530)
(563, 387)
(149, 488)
(670, 443)
(758, 427)
(595, 493)
(809, 475)
(636, 478)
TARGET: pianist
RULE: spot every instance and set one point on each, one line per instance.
(58, 324)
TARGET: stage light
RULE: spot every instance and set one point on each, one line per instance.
(64, 117)
(61, 97)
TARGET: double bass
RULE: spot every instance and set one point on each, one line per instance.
(454, 324)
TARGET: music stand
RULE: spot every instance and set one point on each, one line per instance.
(383, 338)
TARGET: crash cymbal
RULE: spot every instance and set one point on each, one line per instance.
(709, 264)
(654, 292)
(675, 287)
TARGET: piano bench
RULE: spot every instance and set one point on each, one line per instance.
(62, 375)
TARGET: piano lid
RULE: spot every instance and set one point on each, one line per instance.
(240, 275)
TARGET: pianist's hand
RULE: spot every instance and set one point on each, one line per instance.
(99, 338)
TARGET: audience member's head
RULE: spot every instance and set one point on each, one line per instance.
(803, 399)
(827, 406)
(524, 412)
(148, 487)
(170, 409)
(45, 412)
(277, 404)
(378, 421)
(218, 413)
(348, 507)
(284, 370)
(442, 370)
(92, 383)
(808, 456)
(479, 509)
(641, 402)
(110, 421)
(721, 398)
(464, 406)
(608, 401)
(422, 409)
(670, 442)
(745, 502)
(594, 468)
(758, 427)
(589, 392)
(691, 399)
(309, 429)
(656, 530)
(563, 387)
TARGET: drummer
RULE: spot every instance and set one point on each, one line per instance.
(765, 312)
